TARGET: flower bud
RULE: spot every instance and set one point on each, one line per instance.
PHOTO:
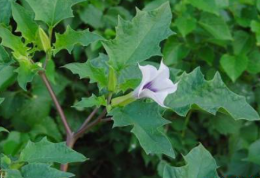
(45, 41)
(112, 79)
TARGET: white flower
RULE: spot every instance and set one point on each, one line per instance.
(156, 84)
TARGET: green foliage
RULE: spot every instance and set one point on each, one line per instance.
(211, 96)
(52, 12)
(199, 163)
(46, 152)
(91, 101)
(70, 38)
(3, 129)
(142, 35)
(147, 126)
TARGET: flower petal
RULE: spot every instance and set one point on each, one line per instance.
(148, 73)
(158, 97)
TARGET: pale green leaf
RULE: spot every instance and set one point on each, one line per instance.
(25, 23)
(91, 101)
(194, 91)
(47, 152)
(185, 24)
(216, 26)
(26, 71)
(139, 39)
(234, 66)
(147, 126)
(52, 11)
(38, 170)
(91, 69)
(207, 6)
(70, 38)
(199, 164)
(1, 128)
(13, 42)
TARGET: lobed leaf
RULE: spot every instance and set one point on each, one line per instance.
(139, 39)
(70, 38)
(47, 152)
(147, 126)
(39, 170)
(52, 11)
(199, 164)
(25, 22)
(91, 101)
(211, 96)
(93, 69)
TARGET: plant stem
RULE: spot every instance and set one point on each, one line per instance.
(186, 122)
(56, 102)
(82, 129)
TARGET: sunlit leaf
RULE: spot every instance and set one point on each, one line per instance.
(139, 39)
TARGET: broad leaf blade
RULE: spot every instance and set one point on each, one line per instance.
(199, 164)
(38, 170)
(11, 173)
(207, 6)
(147, 126)
(25, 23)
(139, 39)
(70, 38)
(52, 11)
(6, 11)
(46, 152)
(210, 96)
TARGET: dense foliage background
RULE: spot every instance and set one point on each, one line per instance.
(216, 35)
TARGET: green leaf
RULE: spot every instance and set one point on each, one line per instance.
(7, 76)
(195, 92)
(139, 39)
(47, 152)
(6, 12)
(254, 62)
(1, 128)
(185, 24)
(255, 27)
(199, 164)
(91, 101)
(242, 43)
(38, 170)
(1, 100)
(147, 126)
(234, 66)
(52, 11)
(26, 71)
(13, 42)
(253, 152)
(70, 38)
(25, 23)
(91, 69)
(10, 173)
(216, 26)
(210, 6)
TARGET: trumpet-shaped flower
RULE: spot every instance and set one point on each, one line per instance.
(155, 84)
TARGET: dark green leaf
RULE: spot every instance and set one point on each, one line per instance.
(254, 62)
(47, 152)
(234, 66)
(52, 11)
(71, 38)
(6, 12)
(38, 170)
(139, 39)
(216, 26)
(211, 96)
(147, 126)
(199, 164)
